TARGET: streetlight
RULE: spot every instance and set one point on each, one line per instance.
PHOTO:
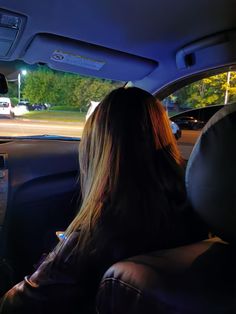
(22, 72)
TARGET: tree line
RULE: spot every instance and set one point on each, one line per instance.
(64, 90)
(73, 91)
(207, 91)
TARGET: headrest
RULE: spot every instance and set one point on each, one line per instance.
(211, 174)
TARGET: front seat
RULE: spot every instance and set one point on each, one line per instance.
(199, 278)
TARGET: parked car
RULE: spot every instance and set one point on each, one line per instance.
(39, 107)
(6, 109)
(22, 108)
(195, 119)
(188, 122)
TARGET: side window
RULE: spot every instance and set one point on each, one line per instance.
(192, 106)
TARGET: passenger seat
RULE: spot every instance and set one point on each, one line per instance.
(199, 278)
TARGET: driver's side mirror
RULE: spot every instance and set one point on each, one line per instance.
(3, 84)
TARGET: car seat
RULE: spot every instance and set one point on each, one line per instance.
(198, 278)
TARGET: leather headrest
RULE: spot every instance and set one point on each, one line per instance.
(211, 174)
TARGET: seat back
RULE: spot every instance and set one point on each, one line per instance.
(200, 277)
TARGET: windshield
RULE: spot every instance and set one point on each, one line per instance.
(47, 102)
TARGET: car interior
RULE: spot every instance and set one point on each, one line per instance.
(159, 46)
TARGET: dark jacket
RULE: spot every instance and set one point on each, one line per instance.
(59, 285)
(67, 282)
(141, 218)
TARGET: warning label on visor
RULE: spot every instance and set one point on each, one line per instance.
(77, 60)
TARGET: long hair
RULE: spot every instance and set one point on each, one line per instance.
(120, 146)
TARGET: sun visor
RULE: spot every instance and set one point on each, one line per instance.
(74, 56)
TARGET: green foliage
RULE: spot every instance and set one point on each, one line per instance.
(68, 91)
(64, 89)
(208, 91)
(14, 101)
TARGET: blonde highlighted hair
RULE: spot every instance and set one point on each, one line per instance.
(123, 135)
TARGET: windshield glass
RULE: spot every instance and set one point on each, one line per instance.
(49, 102)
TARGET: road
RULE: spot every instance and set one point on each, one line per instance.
(21, 127)
(187, 141)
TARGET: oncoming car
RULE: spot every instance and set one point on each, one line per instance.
(68, 53)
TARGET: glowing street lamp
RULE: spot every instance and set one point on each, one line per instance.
(22, 72)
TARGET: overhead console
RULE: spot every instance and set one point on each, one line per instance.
(11, 27)
(69, 55)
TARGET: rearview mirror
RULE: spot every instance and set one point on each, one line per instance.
(3, 84)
